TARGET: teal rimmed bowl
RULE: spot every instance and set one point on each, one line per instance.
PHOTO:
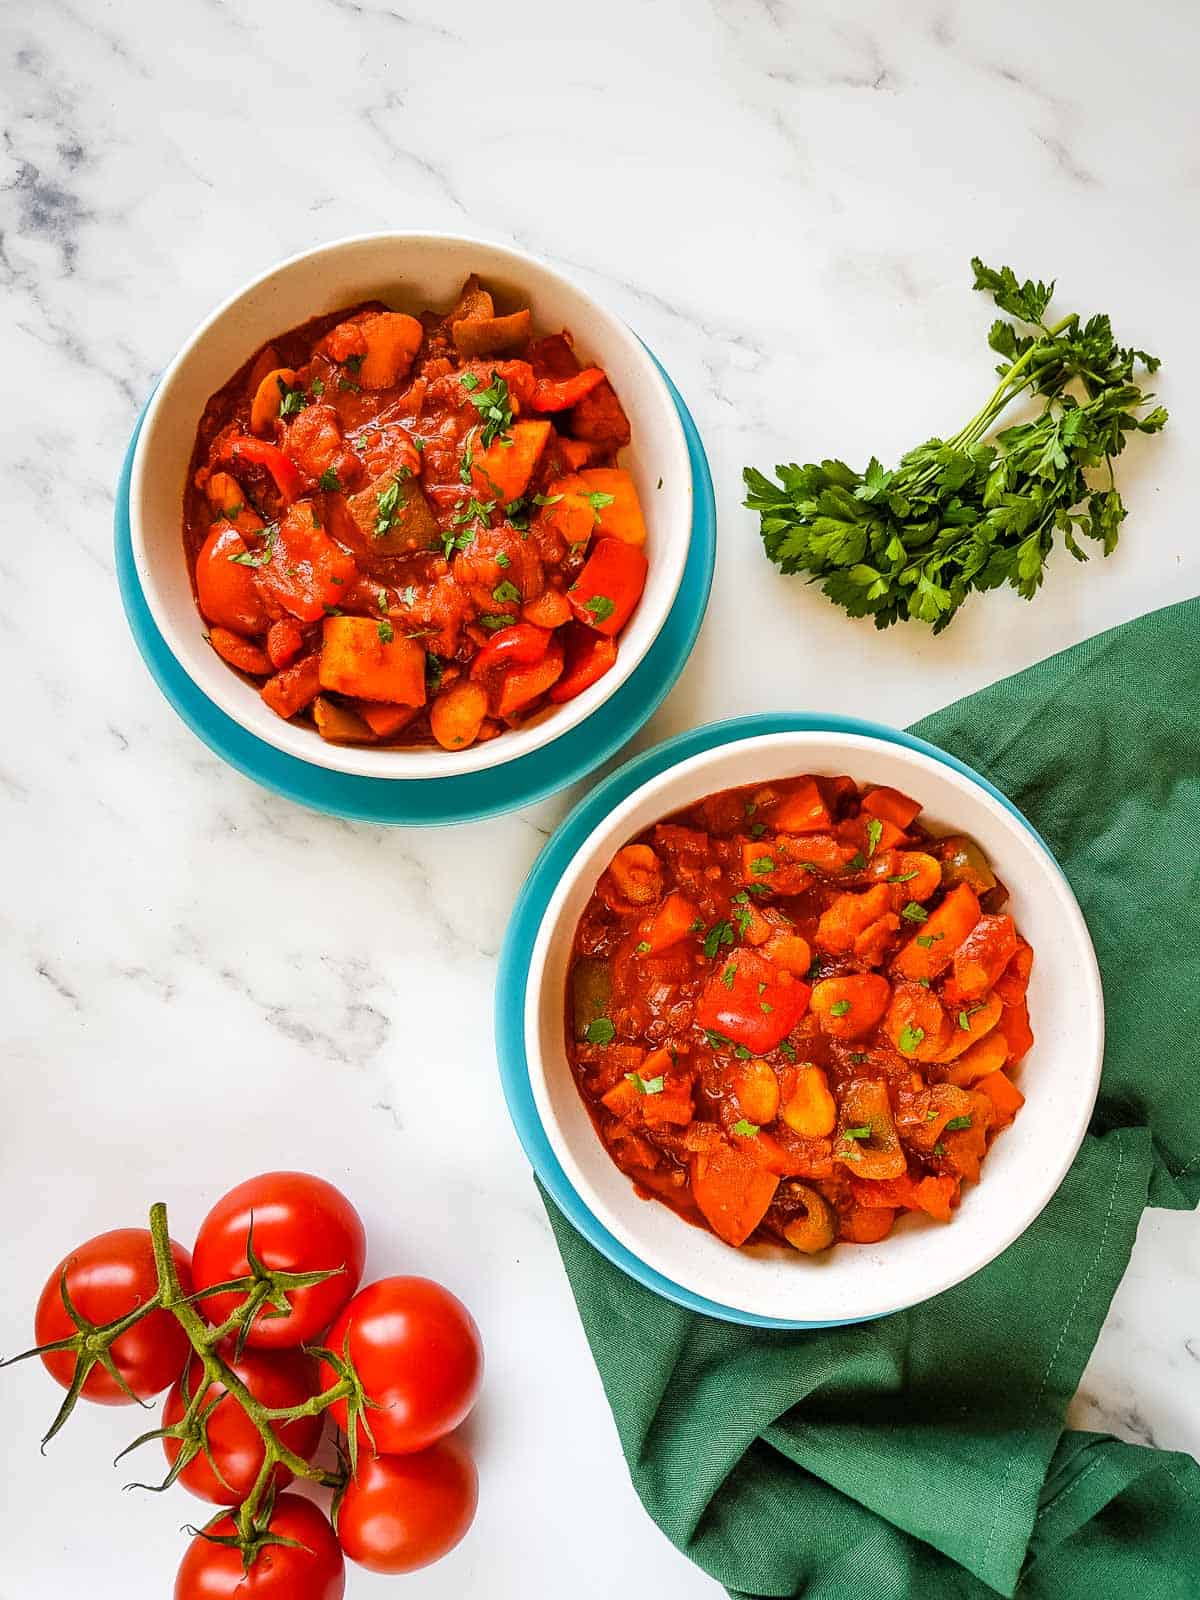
(767, 1286)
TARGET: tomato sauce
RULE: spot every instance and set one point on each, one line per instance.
(793, 1012)
(414, 530)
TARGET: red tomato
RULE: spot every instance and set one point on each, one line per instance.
(419, 1357)
(276, 1378)
(106, 1278)
(399, 1513)
(301, 1224)
(311, 1569)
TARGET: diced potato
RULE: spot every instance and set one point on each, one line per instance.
(502, 471)
(359, 659)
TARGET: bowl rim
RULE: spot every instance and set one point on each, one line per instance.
(854, 735)
(228, 691)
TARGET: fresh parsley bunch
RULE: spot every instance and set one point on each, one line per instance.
(959, 514)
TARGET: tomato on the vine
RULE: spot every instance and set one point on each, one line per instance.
(399, 1513)
(312, 1568)
(300, 1224)
(418, 1356)
(228, 1470)
(108, 1277)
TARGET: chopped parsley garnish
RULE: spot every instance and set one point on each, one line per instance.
(502, 560)
(716, 1040)
(720, 933)
(385, 631)
(856, 862)
(409, 595)
(757, 829)
(506, 593)
(546, 499)
(863, 1132)
(600, 1031)
(761, 865)
(914, 912)
(600, 607)
(956, 1123)
(939, 1149)
(928, 940)
(729, 974)
(874, 834)
(259, 557)
(744, 1129)
(381, 600)
(433, 672)
(598, 501)
(293, 401)
(390, 506)
(758, 888)
(642, 948)
(329, 482)
(910, 1038)
(645, 1085)
(318, 387)
(902, 877)
(964, 1022)
(493, 404)
(858, 1057)
(787, 1050)
(494, 623)
(354, 363)
(839, 1008)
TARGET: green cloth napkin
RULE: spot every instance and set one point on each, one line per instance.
(924, 1455)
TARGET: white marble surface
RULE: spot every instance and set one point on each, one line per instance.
(202, 981)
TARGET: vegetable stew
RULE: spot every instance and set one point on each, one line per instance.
(794, 1013)
(415, 530)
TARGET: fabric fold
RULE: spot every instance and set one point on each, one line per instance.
(924, 1455)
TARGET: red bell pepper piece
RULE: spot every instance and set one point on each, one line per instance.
(285, 473)
(521, 686)
(610, 585)
(749, 1000)
(519, 646)
(559, 394)
(589, 655)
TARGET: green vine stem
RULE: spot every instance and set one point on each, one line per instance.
(92, 1344)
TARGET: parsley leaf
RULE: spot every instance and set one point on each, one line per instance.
(646, 1085)
(910, 1038)
(329, 482)
(600, 1031)
(600, 607)
(746, 1130)
(973, 512)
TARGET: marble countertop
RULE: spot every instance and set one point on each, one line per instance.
(203, 981)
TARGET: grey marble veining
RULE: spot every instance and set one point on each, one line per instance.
(203, 981)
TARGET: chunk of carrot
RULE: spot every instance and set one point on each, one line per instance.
(1014, 1025)
(849, 914)
(1003, 1093)
(669, 924)
(457, 714)
(801, 810)
(989, 1055)
(983, 956)
(503, 470)
(732, 1192)
(239, 652)
(359, 659)
(549, 610)
(297, 686)
(889, 805)
(980, 1020)
(932, 947)
(866, 1224)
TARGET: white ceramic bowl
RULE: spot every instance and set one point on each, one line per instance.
(1059, 1077)
(409, 272)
